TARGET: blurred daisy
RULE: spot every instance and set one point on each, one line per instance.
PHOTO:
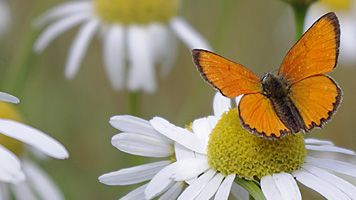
(19, 176)
(346, 12)
(140, 34)
(220, 149)
(138, 137)
(4, 17)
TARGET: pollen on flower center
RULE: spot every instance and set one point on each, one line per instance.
(136, 11)
(8, 111)
(233, 150)
(338, 4)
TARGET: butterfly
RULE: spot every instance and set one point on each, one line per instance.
(297, 98)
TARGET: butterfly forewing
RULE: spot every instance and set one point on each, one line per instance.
(316, 99)
(230, 78)
(315, 53)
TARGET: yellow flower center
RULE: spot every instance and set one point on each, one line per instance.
(337, 4)
(233, 150)
(8, 111)
(136, 11)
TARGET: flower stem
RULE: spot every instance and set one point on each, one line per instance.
(134, 101)
(299, 17)
(252, 187)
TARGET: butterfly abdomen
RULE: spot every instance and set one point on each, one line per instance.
(276, 89)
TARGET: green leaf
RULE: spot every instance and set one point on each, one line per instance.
(252, 187)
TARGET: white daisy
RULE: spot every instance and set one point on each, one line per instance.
(4, 17)
(139, 138)
(219, 150)
(346, 12)
(138, 33)
(20, 177)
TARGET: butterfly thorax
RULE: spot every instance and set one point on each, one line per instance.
(277, 90)
(274, 86)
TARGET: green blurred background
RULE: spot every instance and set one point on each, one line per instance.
(255, 33)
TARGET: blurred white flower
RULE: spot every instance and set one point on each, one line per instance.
(4, 17)
(140, 34)
(19, 177)
(346, 12)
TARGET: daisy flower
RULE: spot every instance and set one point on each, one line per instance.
(219, 150)
(140, 34)
(4, 17)
(346, 12)
(138, 137)
(19, 176)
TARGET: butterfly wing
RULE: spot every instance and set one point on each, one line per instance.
(315, 53)
(258, 115)
(316, 99)
(230, 78)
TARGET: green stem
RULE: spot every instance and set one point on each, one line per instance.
(252, 187)
(299, 16)
(134, 101)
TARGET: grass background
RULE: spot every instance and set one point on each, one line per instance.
(255, 33)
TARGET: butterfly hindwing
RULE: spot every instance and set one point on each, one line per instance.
(230, 78)
(316, 99)
(258, 115)
(315, 53)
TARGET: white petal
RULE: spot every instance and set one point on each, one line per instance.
(196, 187)
(56, 29)
(287, 186)
(182, 153)
(114, 55)
(137, 194)
(188, 35)
(63, 10)
(22, 191)
(334, 165)
(221, 104)
(270, 188)
(202, 129)
(79, 47)
(141, 145)
(328, 148)
(314, 141)
(8, 98)
(10, 168)
(210, 189)
(225, 188)
(133, 175)
(238, 99)
(33, 137)
(179, 135)
(239, 192)
(162, 37)
(189, 168)
(131, 124)
(173, 192)
(41, 183)
(141, 58)
(160, 182)
(322, 187)
(344, 186)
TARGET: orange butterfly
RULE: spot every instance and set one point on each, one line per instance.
(300, 97)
